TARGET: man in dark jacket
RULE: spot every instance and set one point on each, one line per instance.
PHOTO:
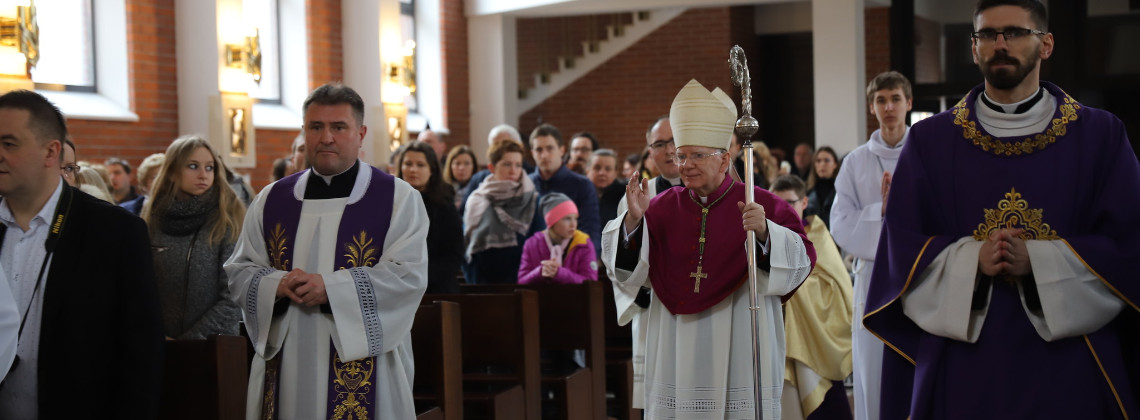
(553, 176)
(87, 297)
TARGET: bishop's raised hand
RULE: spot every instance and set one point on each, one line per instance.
(636, 199)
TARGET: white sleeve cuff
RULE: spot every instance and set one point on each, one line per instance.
(941, 298)
(1073, 300)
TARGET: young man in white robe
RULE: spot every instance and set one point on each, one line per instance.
(329, 272)
(698, 342)
(856, 219)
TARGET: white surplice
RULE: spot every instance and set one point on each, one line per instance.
(700, 366)
(372, 307)
(856, 220)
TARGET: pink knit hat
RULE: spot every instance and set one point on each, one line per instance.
(556, 206)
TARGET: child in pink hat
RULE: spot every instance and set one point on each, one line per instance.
(561, 254)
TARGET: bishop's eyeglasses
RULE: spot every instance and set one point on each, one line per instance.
(682, 158)
(1011, 33)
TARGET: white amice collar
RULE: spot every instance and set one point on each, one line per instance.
(879, 147)
(1033, 121)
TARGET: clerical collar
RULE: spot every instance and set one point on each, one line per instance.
(672, 181)
(1019, 107)
(322, 187)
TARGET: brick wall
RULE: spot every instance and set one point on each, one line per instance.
(325, 62)
(548, 38)
(456, 105)
(618, 100)
(154, 90)
(153, 76)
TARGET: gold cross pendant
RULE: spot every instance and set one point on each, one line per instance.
(698, 276)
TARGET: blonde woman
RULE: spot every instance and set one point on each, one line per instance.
(194, 219)
(89, 181)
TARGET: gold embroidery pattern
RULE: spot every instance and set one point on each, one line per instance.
(352, 386)
(362, 252)
(1024, 147)
(278, 243)
(269, 400)
(1014, 212)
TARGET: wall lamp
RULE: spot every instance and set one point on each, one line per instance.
(19, 39)
(246, 57)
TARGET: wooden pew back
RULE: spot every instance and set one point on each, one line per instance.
(500, 340)
(572, 318)
(205, 379)
(437, 343)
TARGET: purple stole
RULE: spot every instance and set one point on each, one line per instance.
(1078, 182)
(675, 228)
(363, 227)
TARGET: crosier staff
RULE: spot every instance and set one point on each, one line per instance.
(746, 127)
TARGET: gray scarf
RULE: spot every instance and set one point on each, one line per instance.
(511, 206)
(186, 215)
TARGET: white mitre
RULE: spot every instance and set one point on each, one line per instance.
(702, 118)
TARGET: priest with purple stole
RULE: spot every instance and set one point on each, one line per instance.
(329, 272)
(1003, 285)
(688, 245)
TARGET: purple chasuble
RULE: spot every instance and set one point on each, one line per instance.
(363, 228)
(674, 220)
(1078, 182)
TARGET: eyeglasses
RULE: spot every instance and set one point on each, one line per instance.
(1010, 34)
(69, 169)
(681, 158)
(660, 144)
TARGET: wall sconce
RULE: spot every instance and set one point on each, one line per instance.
(246, 57)
(19, 39)
(400, 75)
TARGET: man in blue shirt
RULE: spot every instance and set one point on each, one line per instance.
(552, 175)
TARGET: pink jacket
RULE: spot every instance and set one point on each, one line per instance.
(578, 262)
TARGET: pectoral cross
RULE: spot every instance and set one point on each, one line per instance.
(698, 276)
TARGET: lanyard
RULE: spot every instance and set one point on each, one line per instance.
(62, 208)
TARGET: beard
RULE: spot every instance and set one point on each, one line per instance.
(1004, 78)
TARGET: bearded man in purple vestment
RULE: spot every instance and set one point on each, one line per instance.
(1001, 285)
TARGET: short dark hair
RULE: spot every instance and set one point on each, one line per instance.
(546, 129)
(889, 80)
(790, 182)
(1036, 10)
(117, 161)
(588, 135)
(336, 94)
(44, 118)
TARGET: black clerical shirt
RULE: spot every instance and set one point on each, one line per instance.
(340, 187)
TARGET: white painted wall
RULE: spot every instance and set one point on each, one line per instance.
(370, 29)
(839, 74)
(493, 76)
(198, 49)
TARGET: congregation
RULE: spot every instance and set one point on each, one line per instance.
(863, 310)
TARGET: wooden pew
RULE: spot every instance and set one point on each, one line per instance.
(436, 342)
(205, 379)
(500, 354)
(571, 319)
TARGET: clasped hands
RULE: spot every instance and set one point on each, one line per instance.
(303, 288)
(637, 198)
(550, 267)
(1004, 253)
